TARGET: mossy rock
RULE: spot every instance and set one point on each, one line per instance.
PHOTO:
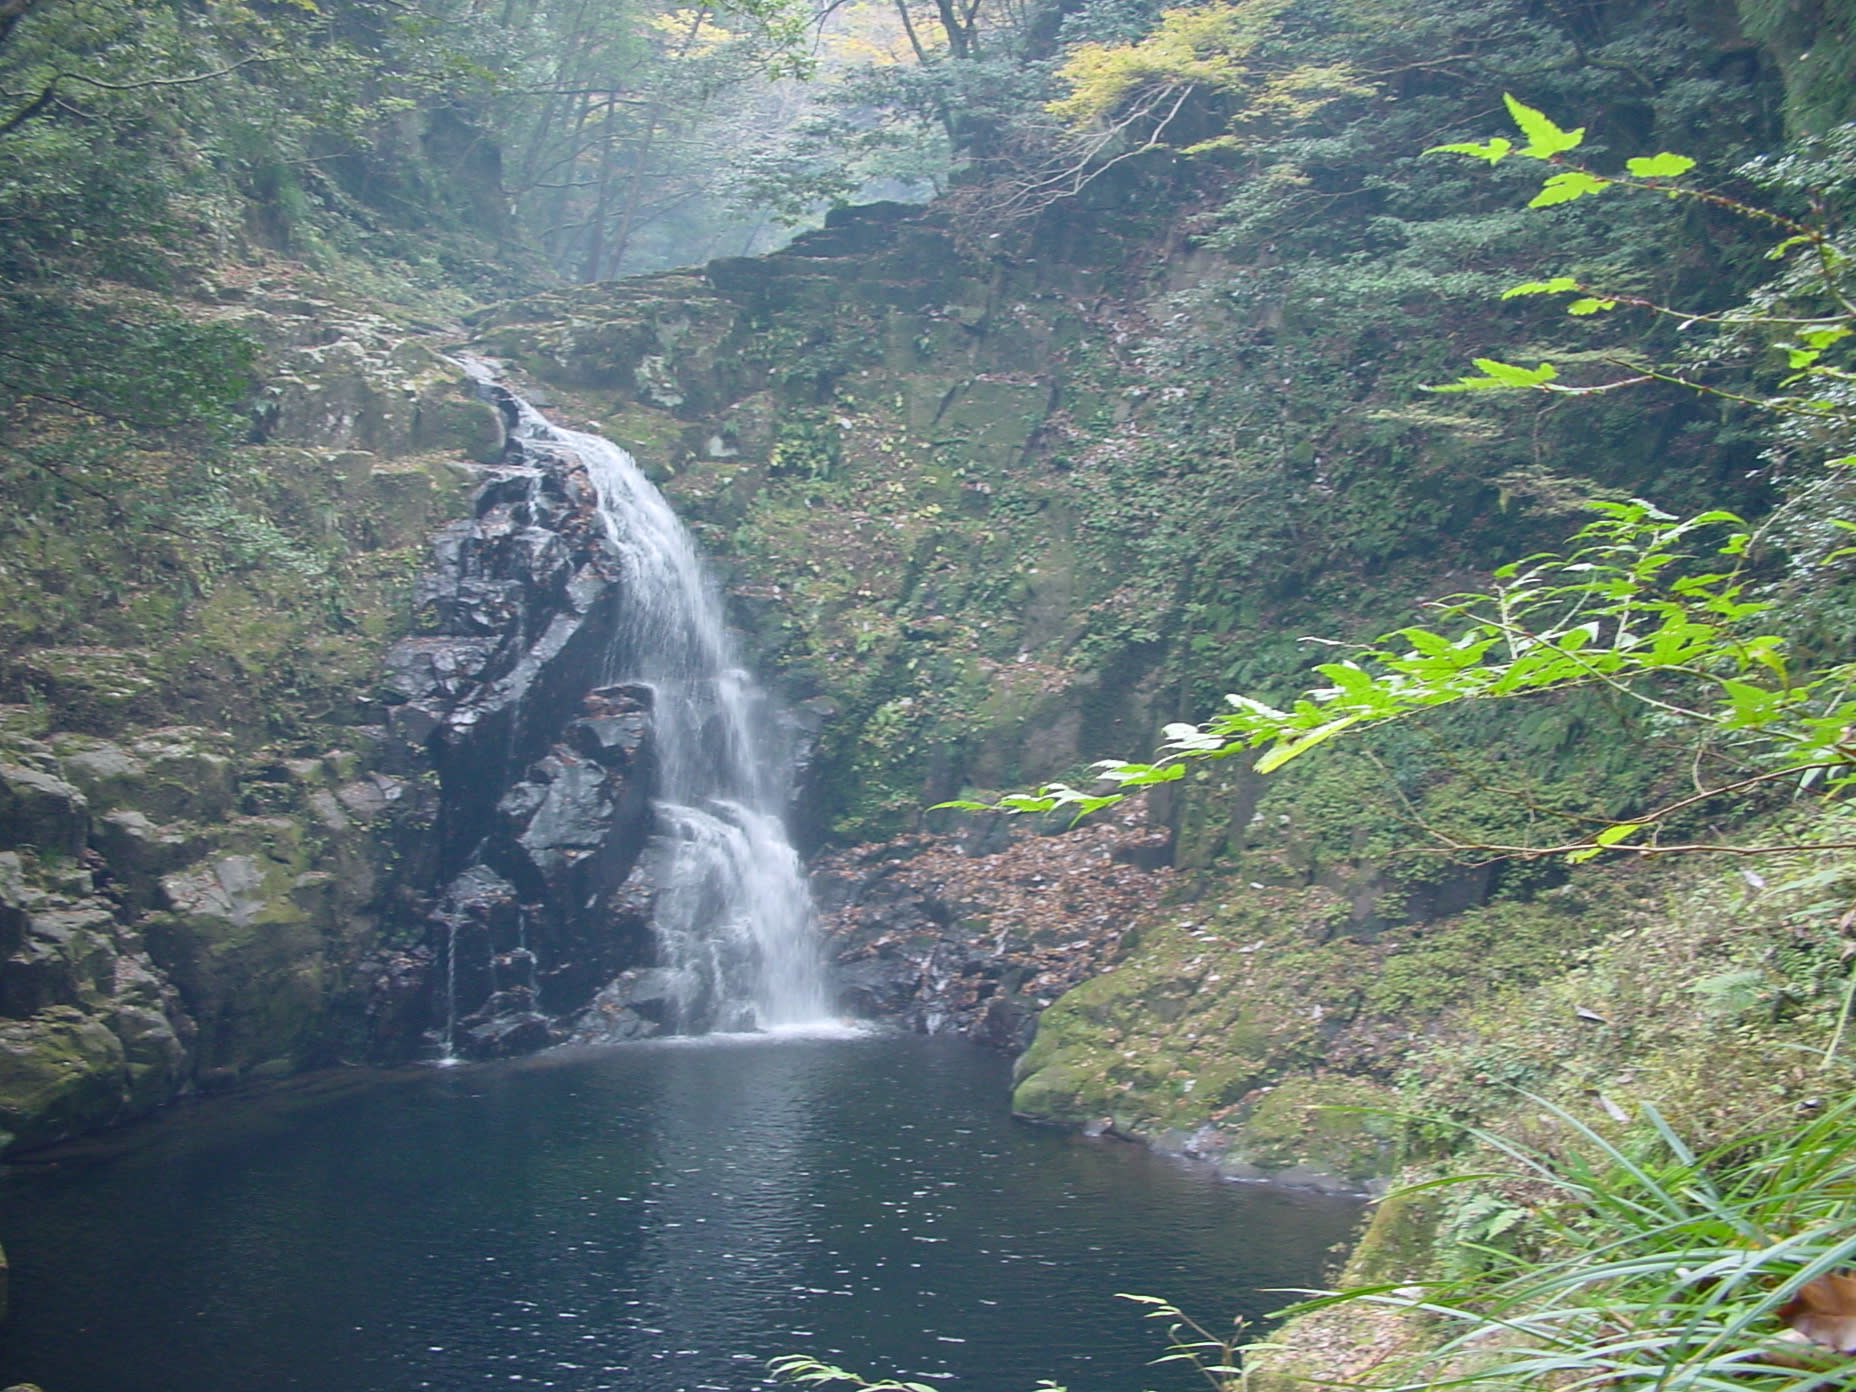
(172, 773)
(1398, 1244)
(1187, 1025)
(66, 956)
(238, 941)
(456, 420)
(1341, 1344)
(98, 689)
(994, 420)
(1330, 1125)
(140, 851)
(109, 774)
(407, 498)
(61, 1074)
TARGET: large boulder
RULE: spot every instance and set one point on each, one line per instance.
(41, 810)
(172, 773)
(61, 1073)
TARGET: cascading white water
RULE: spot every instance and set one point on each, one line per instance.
(733, 917)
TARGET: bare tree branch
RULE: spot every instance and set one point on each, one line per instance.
(1048, 173)
(49, 93)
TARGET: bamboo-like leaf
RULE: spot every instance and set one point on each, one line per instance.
(1618, 831)
(1283, 753)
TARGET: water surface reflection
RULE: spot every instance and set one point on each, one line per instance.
(658, 1218)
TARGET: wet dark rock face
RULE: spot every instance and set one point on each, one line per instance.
(545, 774)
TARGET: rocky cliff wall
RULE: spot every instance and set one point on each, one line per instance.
(208, 830)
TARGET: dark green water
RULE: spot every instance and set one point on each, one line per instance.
(655, 1218)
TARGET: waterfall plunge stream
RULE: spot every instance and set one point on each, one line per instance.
(733, 918)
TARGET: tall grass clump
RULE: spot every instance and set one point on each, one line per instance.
(1643, 1265)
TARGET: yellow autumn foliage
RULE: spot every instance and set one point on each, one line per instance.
(696, 29)
(1214, 47)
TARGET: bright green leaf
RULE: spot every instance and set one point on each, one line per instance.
(1663, 166)
(1617, 832)
(1567, 185)
(1542, 287)
(1501, 375)
(1283, 753)
(1544, 138)
(1494, 152)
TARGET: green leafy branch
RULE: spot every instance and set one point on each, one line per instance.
(1642, 606)
(1808, 334)
(1628, 610)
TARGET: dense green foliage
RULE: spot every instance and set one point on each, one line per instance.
(1626, 611)
(160, 160)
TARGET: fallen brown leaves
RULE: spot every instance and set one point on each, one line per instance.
(953, 933)
(1824, 1312)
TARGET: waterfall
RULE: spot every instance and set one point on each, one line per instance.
(733, 917)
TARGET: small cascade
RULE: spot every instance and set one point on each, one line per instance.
(448, 1045)
(732, 918)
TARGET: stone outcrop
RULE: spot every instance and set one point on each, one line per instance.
(205, 830)
(545, 774)
(170, 921)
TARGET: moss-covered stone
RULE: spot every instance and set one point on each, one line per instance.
(1399, 1241)
(242, 948)
(1814, 42)
(95, 687)
(183, 662)
(1202, 1012)
(1320, 1125)
(1352, 1342)
(61, 1074)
